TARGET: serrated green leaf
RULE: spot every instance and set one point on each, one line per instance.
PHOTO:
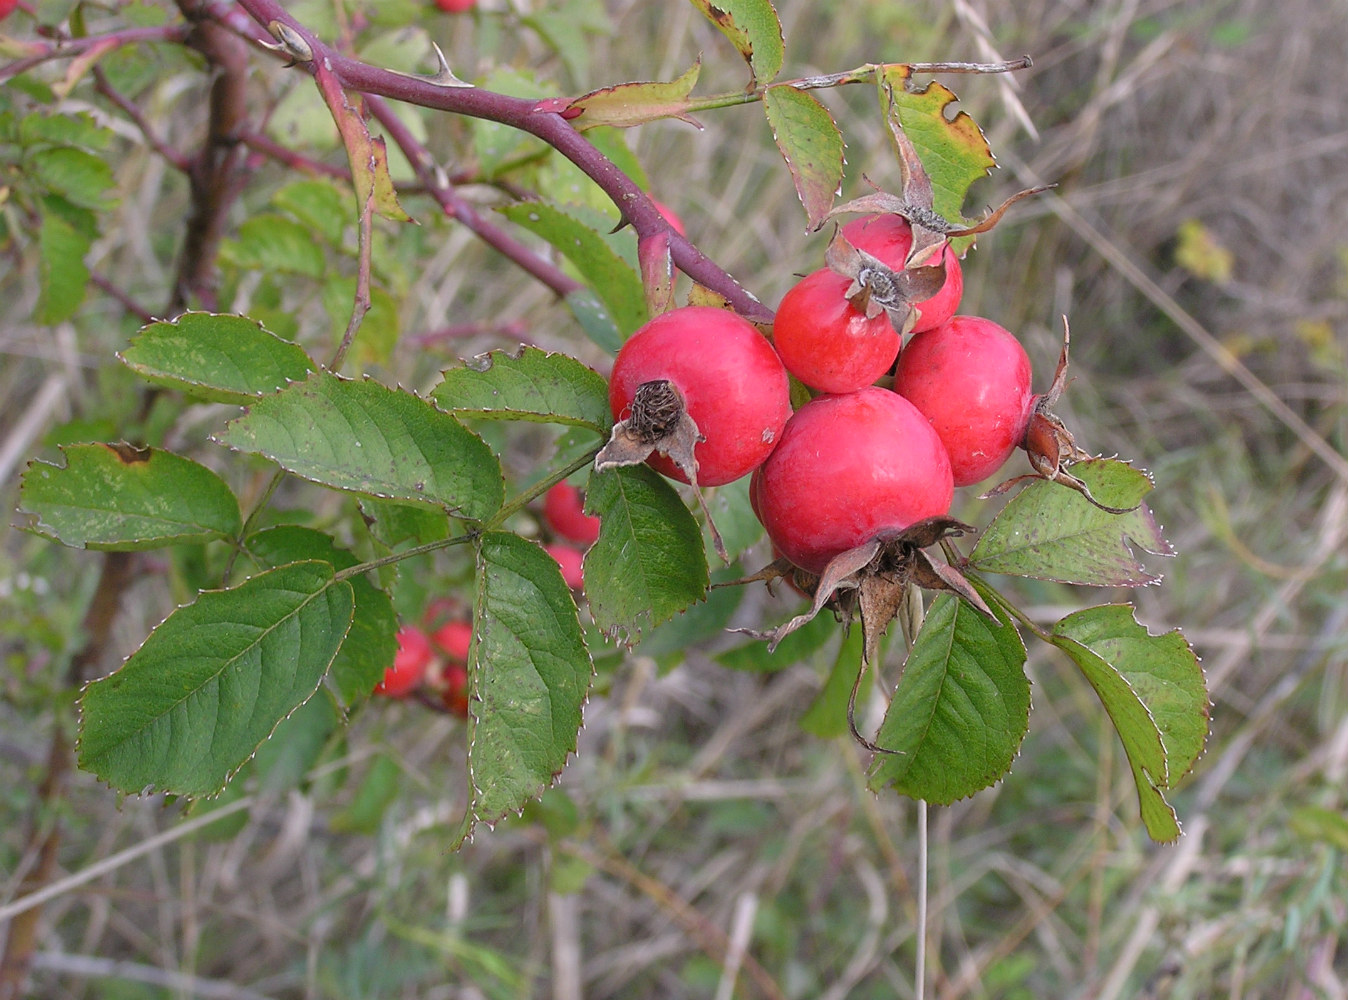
(125, 498)
(393, 523)
(63, 275)
(961, 709)
(529, 673)
(613, 280)
(76, 175)
(212, 682)
(1152, 687)
(283, 761)
(226, 359)
(276, 244)
(812, 146)
(38, 128)
(649, 563)
(372, 640)
(528, 384)
(1051, 532)
(367, 438)
(752, 27)
(953, 149)
(827, 715)
(628, 104)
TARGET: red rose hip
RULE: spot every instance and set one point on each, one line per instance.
(888, 238)
(716, 368)
(414, 656)
(971, 379)
(827, 343)
(848, 468)
(564, 510)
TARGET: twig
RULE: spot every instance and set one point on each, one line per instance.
(70, 47)
(178, 159)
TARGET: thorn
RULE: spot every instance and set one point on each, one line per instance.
(444, 76)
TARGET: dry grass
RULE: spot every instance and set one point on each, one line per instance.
(702, 846)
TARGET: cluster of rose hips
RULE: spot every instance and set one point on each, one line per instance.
(432, 662)
(704, 397)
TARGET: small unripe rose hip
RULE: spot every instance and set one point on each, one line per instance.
(409, 664)
(827, 343)
(564, 510)
(889, 238)
(728, 379)
(849, 468)
(971, 379)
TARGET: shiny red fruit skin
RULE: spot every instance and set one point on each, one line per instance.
(888, 238)
(848, 468)
(453, 639)
(825, 342)
(571, 562)
(409, 664)
(564, 510)
(971, 379)
(732, 382)
(456, 6)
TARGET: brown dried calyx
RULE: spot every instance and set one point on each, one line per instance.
(1048, 443)
(877, 288)
(658, 422)
(874, 582)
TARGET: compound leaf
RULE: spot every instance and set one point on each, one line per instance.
(225, 359)
(372, 641)
(367, 438)
(649, 562)
(114, 496)
(1152, 687)
(961, 709)
(1051, 532)
(529, 384)
(811, 144)
(529, 673)
(189, 707)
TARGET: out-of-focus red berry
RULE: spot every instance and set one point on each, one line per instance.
(564, 510)
(453, 639)
(456, 6)
(670, 216)
(570, 560)
(409, 664)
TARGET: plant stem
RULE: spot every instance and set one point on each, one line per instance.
(920, 966)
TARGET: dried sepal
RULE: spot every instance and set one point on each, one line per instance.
(658, 422)
(1048, 443)
(877, 288)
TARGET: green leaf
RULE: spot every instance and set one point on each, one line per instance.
(212, 682)
(734, 517)
(1051, 532)
(1318, 824)
(39, 129)
(1152, 687)
(284, 760)
(372, 640)
(367, 438)
(953, 149)
(615, 282)
(378, 790)
(225, 359)
(529, 384)
(649, 563)
(529, 672)
(394, 523)
(961, 709)
(595, 319)
(812, 146)
(753, 28)
(273, 243)
(64, 277)
(78, 176)
(498, 147)
(827, 715)
(628, 104)
(120, 497)
(320, 205)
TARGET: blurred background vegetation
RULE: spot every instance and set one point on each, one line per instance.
(702, 845)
